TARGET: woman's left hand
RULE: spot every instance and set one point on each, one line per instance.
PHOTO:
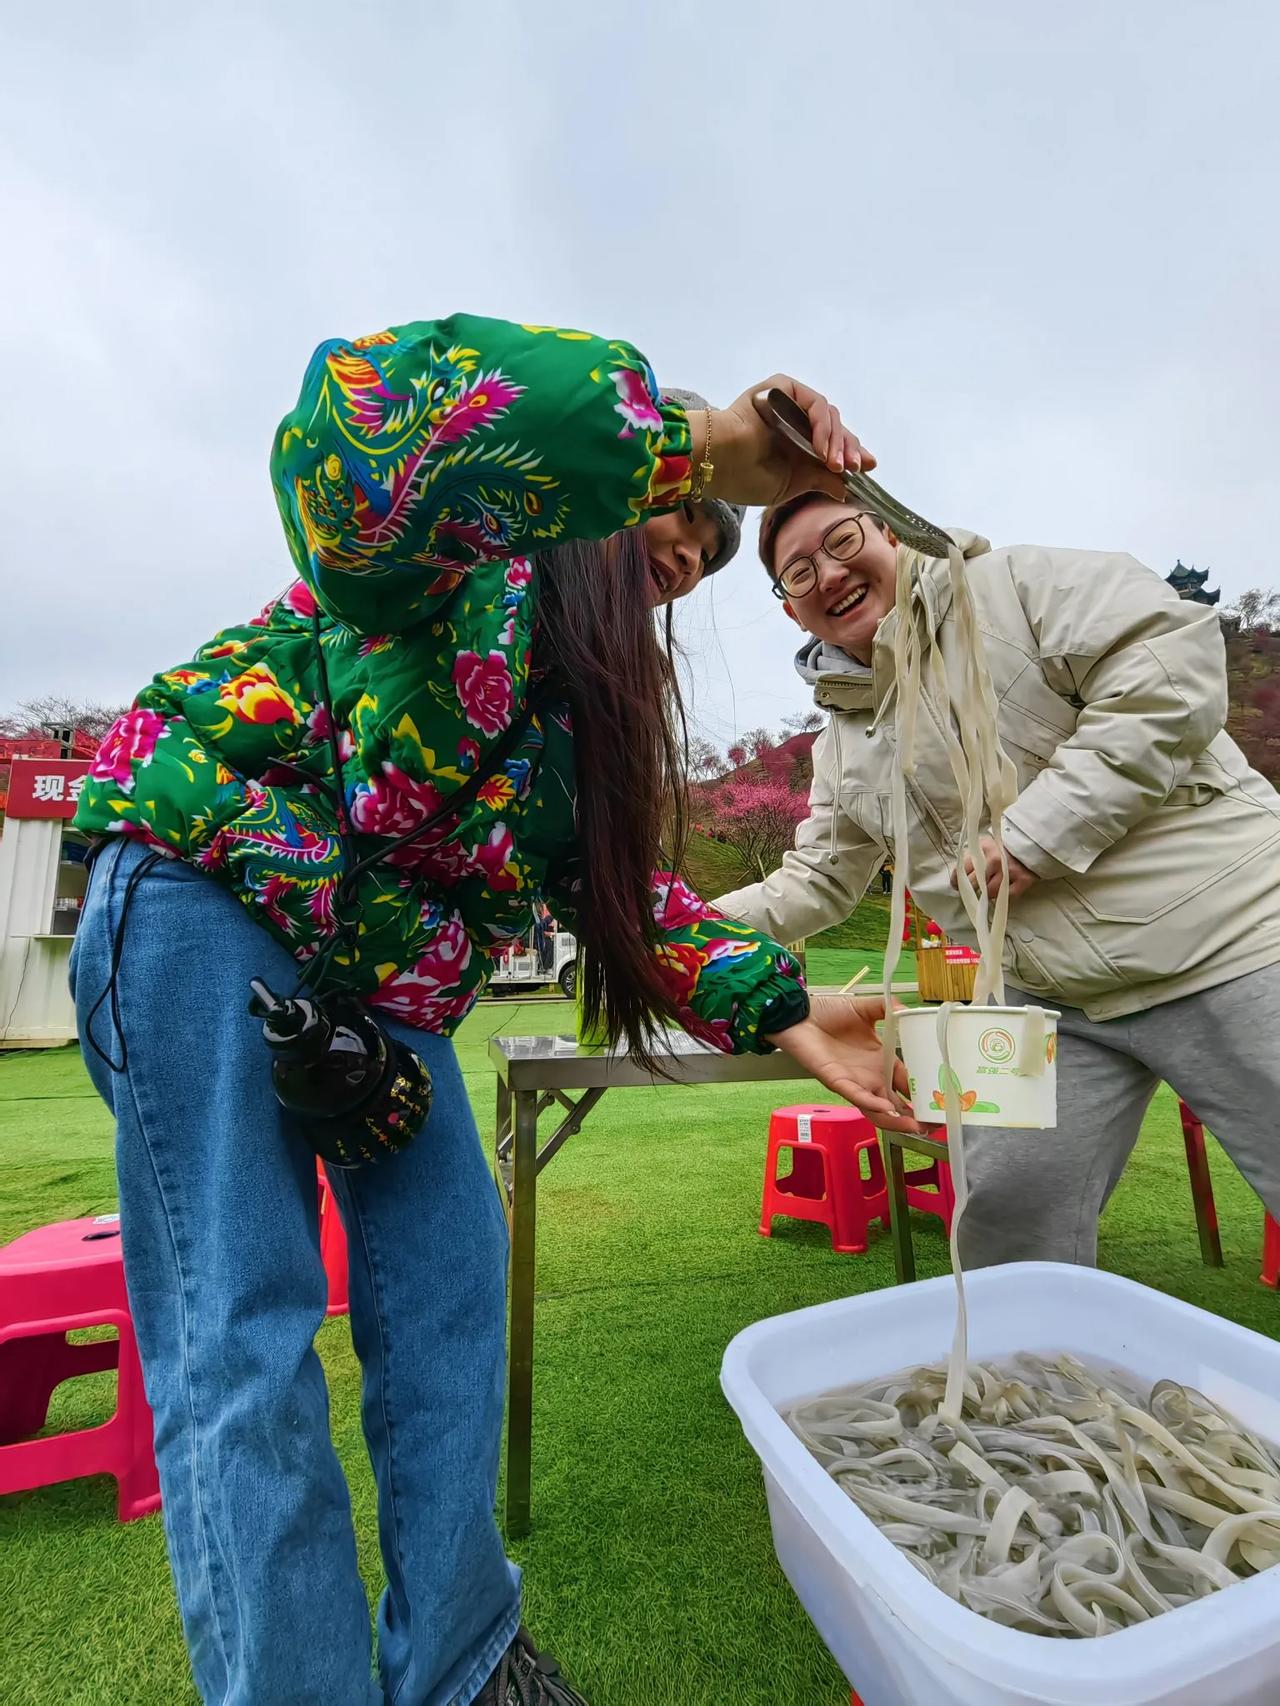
(837, 1044)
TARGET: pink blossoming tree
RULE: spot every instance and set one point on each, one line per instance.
(756, 816)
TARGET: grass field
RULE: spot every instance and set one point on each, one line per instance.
(650, 1570)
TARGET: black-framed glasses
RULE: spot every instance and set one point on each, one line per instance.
(840, 543)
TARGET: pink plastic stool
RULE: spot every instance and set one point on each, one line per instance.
(54, 1281)
(1270, 1252)
(333, 1247)
(826, 1146)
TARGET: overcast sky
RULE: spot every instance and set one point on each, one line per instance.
(1031, 250)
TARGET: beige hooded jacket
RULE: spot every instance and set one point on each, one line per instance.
(1158, 847)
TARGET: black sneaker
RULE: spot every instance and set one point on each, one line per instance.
(526, 1677)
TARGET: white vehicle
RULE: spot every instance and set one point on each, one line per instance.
(522, 970)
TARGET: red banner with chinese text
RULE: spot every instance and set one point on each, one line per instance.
(45, 787)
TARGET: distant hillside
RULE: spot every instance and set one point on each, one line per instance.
(711, 871)
(790, 761)
(1253, 684)
(710, 867)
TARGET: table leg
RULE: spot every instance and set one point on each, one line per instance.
(904, 1256)
(524, 1219)
(502, 1133)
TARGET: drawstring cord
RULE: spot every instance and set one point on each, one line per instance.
(111, 992)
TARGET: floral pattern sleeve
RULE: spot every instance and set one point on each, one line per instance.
(415, 453)
(732, 986)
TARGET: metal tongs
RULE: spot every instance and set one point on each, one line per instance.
(786, 416)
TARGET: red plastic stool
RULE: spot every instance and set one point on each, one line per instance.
(930, 1189)
(333, 1247)
(54, 1281)
(1206, 1210)
(826, 1185)
(1270, 1253)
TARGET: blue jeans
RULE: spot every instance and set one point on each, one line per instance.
(222, 1259)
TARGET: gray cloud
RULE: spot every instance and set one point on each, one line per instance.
(1031, 252)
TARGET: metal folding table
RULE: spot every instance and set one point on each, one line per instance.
(536, 1074)
(893, 1146)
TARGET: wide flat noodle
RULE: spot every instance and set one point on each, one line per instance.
(986, 785)
(1056, 1503)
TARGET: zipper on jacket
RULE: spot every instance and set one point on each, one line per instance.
(833, 858)
(931, 821)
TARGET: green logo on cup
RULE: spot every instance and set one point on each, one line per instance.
(997, 1046)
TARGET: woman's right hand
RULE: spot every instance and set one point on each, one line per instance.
(837, 1044)
(756, 465)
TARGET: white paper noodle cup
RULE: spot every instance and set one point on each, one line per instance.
(1005, 1060)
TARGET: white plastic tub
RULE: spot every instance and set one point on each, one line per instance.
(899, 1640)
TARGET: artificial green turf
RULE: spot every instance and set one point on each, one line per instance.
(650, 1570)
(831, 968)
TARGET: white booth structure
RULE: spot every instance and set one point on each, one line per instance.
(42, 883)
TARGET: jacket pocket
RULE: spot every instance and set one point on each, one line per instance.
(1030, 742)
(1035, 719)
(1196, 841)
(1049, 952)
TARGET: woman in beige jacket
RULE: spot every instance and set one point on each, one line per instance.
(1144, 853)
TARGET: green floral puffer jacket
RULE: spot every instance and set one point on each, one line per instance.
(418, 469)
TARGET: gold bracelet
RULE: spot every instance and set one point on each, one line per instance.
(706, 468)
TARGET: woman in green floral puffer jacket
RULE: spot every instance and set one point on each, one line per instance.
(440, 484)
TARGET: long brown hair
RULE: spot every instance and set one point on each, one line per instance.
(596, 636)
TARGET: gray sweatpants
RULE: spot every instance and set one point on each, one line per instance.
(1036, 1196)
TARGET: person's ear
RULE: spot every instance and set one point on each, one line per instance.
(790, 610)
